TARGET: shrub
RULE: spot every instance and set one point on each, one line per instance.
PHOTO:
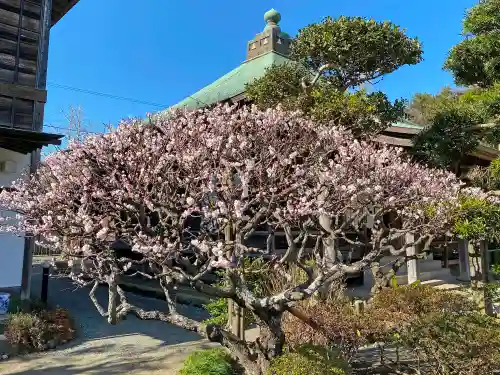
(455, 344)
(19, 330)
(338, 322)
(208, 362)
(388, 313)
(392, 309)
(309, 360)
(411, 300)
(218, 312)
(61, 326)
(39, 330)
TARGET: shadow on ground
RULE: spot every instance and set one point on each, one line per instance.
(133, 346)
(106, 359)
(92, 325)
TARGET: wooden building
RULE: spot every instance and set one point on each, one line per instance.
(24, 46)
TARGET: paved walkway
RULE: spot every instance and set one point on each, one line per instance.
(130, 347)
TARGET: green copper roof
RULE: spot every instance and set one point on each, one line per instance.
(407, 124)
(233, 83)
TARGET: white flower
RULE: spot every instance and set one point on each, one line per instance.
(102, 234)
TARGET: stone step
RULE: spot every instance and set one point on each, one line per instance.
(426, 265)
(441, 274)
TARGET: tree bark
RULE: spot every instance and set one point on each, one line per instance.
(381, 280)
(271, 340)
(112, 297)
(331, 255)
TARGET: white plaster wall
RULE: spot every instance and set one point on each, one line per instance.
(11, 246)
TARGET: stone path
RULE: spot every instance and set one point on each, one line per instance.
(132, 347)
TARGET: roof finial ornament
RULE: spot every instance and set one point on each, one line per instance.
(272, 17)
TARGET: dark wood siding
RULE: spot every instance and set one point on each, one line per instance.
(24, 32)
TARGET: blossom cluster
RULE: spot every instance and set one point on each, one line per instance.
(172, 185)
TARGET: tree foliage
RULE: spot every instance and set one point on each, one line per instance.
(475, 60)
(354, 50)
(478, 216)
(486, 178)
(330, 61)
(457, 121)
(477, 219)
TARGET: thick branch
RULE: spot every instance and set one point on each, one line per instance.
(93, 298)
(308, 86)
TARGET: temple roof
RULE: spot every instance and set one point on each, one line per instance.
(60, 8)
(233, 83)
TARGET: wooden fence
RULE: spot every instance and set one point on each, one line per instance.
(44, 251)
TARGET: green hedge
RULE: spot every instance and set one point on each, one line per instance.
(208, 362)
(310, 360)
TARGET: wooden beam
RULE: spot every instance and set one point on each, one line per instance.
(60, 8)
(402, 130)
(401, 142)
(485, 152)
(23, 92)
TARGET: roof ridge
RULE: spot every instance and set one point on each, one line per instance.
(232, 83)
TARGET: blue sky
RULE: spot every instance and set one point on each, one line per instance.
(166, 49)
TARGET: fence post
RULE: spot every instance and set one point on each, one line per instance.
(234, 312)
(45, 282)
(463, 260)
(412, 265)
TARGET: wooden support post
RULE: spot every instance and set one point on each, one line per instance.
(45, 282)
(480, 273)
(463, 259)
(234, 312)
(412, 265)
(359, 306)
(485, 276)
(29, 245)
(445, 263)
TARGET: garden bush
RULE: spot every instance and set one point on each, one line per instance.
(411, 300)
(310, 360)
(389, 312)
(455, 344)
(393, 308)
(208, 362)
(39, 330)
(338, 322)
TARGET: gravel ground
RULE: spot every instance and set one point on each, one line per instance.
(130, 347)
